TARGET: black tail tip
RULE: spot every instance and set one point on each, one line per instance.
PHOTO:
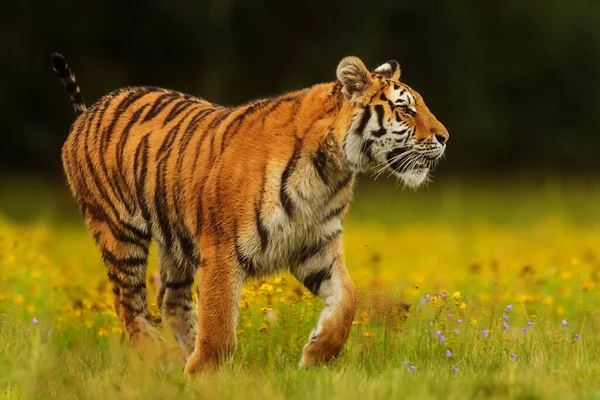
(58, 61)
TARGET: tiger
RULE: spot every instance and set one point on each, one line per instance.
(228, 194)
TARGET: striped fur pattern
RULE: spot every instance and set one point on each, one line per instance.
(68, 79)
(231, 193)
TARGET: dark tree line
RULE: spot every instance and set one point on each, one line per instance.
(517, 82)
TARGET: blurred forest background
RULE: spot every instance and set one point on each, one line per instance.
(517, 82)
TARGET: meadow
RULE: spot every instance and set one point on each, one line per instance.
(466, 290)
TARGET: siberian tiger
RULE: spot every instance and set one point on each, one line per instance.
(231, 193)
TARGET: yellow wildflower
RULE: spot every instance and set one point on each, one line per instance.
(266, 288)
(30, 309)
(264, 328)
(19, 299)
(241, 333)
(566, 275)
(355, 323)
(574, 261)
(369, 334)
(456, 295)
(474, 321)
(462, 306)
(102, 332)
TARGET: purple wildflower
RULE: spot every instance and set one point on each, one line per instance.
(440, 335)
(35, 321)
(443, 295)
(529, 324)
(427, 296)
(423, 301)
(505, 317)
(523, 330)
(485, 333)
(509, 307)
(505, 326)
(412, 368)
(459, 321)
(513, 356)
(576, 337)
(564, 322)
(456, 331)
(450, 316)
(448, 353)
(455, 370)
(406, 363)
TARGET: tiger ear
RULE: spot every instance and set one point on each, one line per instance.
(355, 77)
(390, 70)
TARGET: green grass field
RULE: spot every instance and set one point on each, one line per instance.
(465, 291)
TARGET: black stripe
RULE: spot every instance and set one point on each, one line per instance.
(129, 266)
(380, 113)
(120, 150)
(279, 101)
(245, 262)
(170, 137)
(178, 109)
(214, 123)
(189, 134)
(98, 214)
(365, 149)
(125, 103)
(286, 200)
(313, 281)
(160, 103)
(140, 170)
(115, 279)
(161, 205)
(310, 251)
(263, 233)
(340, 185)
(180, 284)
(160, 198)
(363, 122)
(170, 304)
(319, 161)
(239, 119)
(71, 87)
(134, 310)
(334, 213)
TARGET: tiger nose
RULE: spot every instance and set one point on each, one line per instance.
(442, 138)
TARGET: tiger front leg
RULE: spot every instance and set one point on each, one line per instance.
(326, 276)
(220, 283)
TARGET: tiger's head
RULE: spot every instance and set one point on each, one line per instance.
(392, 129)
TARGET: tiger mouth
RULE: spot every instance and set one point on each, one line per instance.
(401, 160)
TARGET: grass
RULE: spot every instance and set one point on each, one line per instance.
(421, 262)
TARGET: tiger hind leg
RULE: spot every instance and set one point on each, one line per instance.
(175, 298)
(125, 257)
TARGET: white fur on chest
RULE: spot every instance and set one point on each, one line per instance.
(312, 202)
